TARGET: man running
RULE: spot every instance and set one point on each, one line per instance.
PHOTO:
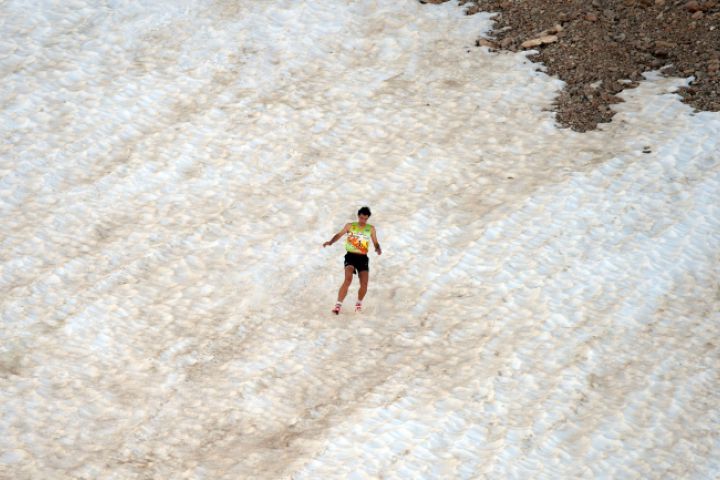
(357, 244)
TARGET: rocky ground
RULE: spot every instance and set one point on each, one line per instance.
(600, 47)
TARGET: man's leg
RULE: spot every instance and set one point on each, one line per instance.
(346, 283)
(364, 278)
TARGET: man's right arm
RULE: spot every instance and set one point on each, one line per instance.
(337, 236)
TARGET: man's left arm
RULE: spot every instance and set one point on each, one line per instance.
(373, 235)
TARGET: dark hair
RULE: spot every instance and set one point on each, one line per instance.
(364, 211)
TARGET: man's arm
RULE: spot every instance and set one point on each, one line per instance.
(373, 235)
(337, 236)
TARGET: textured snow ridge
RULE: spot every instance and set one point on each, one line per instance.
(546, 306)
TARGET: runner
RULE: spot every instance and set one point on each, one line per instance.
(357, 243)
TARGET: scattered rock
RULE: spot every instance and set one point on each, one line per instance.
(483, 42)
(536, 42)
(693, 6)
(506, 42)
(591, 17)
(662, 48)
(698, 15)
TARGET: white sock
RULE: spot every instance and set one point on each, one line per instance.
(338, 304)
(359, 302)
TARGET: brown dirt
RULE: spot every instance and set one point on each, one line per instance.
(600, 47)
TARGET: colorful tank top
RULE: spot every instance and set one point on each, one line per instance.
(358, 238)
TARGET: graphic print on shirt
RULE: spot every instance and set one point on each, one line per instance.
(358, 238)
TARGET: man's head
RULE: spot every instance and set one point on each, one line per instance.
(364, 213)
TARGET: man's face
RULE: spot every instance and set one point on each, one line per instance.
(363, 218)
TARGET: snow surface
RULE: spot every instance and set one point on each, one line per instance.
(546, 306)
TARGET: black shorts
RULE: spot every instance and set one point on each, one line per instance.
(357, 260)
